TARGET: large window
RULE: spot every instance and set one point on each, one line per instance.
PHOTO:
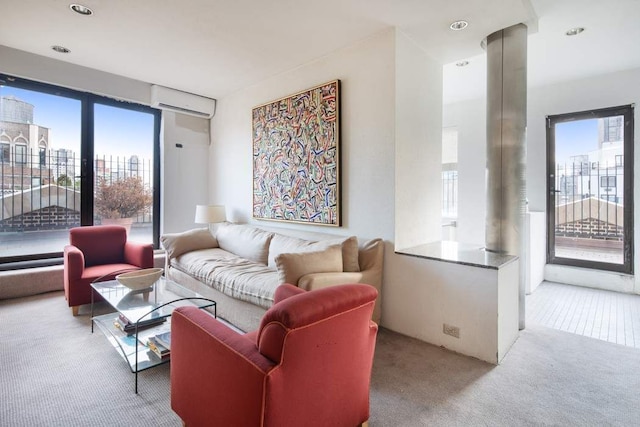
(590, 187)
(449, 173)
(61, 152)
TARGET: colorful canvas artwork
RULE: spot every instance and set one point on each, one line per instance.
(296, 164)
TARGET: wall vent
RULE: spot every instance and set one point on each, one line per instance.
(182, 102)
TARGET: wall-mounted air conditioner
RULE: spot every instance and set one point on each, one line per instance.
(182, 102)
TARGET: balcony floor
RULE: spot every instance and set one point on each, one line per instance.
(604, 315)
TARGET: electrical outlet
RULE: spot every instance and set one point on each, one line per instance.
(454, 331)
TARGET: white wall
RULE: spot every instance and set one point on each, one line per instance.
(609, 90)
(366, 72)
(418, 141)
(181, 168)
(470, 118)
(185, 171)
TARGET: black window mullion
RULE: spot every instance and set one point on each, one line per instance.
(86, 163)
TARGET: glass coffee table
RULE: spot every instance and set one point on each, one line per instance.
(141, 314)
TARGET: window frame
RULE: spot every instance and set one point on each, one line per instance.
(88, 101)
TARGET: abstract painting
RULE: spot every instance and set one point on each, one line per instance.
(296, 161)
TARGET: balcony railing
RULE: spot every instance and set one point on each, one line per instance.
(589, 201)
(41, 190)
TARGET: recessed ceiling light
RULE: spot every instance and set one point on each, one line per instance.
(462, 63)
(82, 10)
(458, 25)
(60, 49)
(574, 31)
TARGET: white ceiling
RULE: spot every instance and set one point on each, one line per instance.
(608, 44)
(215, 47)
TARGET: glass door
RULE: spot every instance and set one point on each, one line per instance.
(61, 151)
(590, 203)
(124, 169)
(40, 142)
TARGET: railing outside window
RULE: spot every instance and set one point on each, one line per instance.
(40, 185)
(590, 201)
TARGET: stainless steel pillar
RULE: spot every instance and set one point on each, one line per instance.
(506, 149)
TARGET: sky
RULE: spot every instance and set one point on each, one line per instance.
(575, 138)
(118, 131)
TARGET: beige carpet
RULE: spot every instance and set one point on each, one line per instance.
(53, 371)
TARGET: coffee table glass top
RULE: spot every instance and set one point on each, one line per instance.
(158, 301)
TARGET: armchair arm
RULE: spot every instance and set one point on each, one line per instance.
(285, 291)
(73, 263)
(138, 254)
(212, 363)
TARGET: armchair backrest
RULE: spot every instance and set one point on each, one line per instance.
(310, 309)
(100, 244)
(323, 342)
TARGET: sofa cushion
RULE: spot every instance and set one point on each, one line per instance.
(349, 251)
(177, 244)
(292, 266)
(281, 244)
(230, 274)
(245, 241)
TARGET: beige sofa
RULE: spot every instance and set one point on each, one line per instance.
(241, 266)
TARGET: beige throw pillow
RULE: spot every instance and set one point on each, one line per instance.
(292, 266)
(350, 251)
(281, 244)
(177, 244)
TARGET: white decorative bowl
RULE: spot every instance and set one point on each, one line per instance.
(140, 279)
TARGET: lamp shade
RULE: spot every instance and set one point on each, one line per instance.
(210, 214)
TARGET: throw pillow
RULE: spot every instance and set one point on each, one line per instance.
(350, 251)
(177, 244)
(281, 244)
(292, 266)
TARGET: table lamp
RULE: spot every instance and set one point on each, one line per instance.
(210, 214)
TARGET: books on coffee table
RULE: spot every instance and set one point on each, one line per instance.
(157, 348)
(164, 339)
(125, 325)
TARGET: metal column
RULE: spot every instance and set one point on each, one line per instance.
(506, 149)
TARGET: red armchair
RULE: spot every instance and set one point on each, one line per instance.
(96, 251)
(308, 364)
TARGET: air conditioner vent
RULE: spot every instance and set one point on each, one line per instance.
(182, 102)
(175, 108)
